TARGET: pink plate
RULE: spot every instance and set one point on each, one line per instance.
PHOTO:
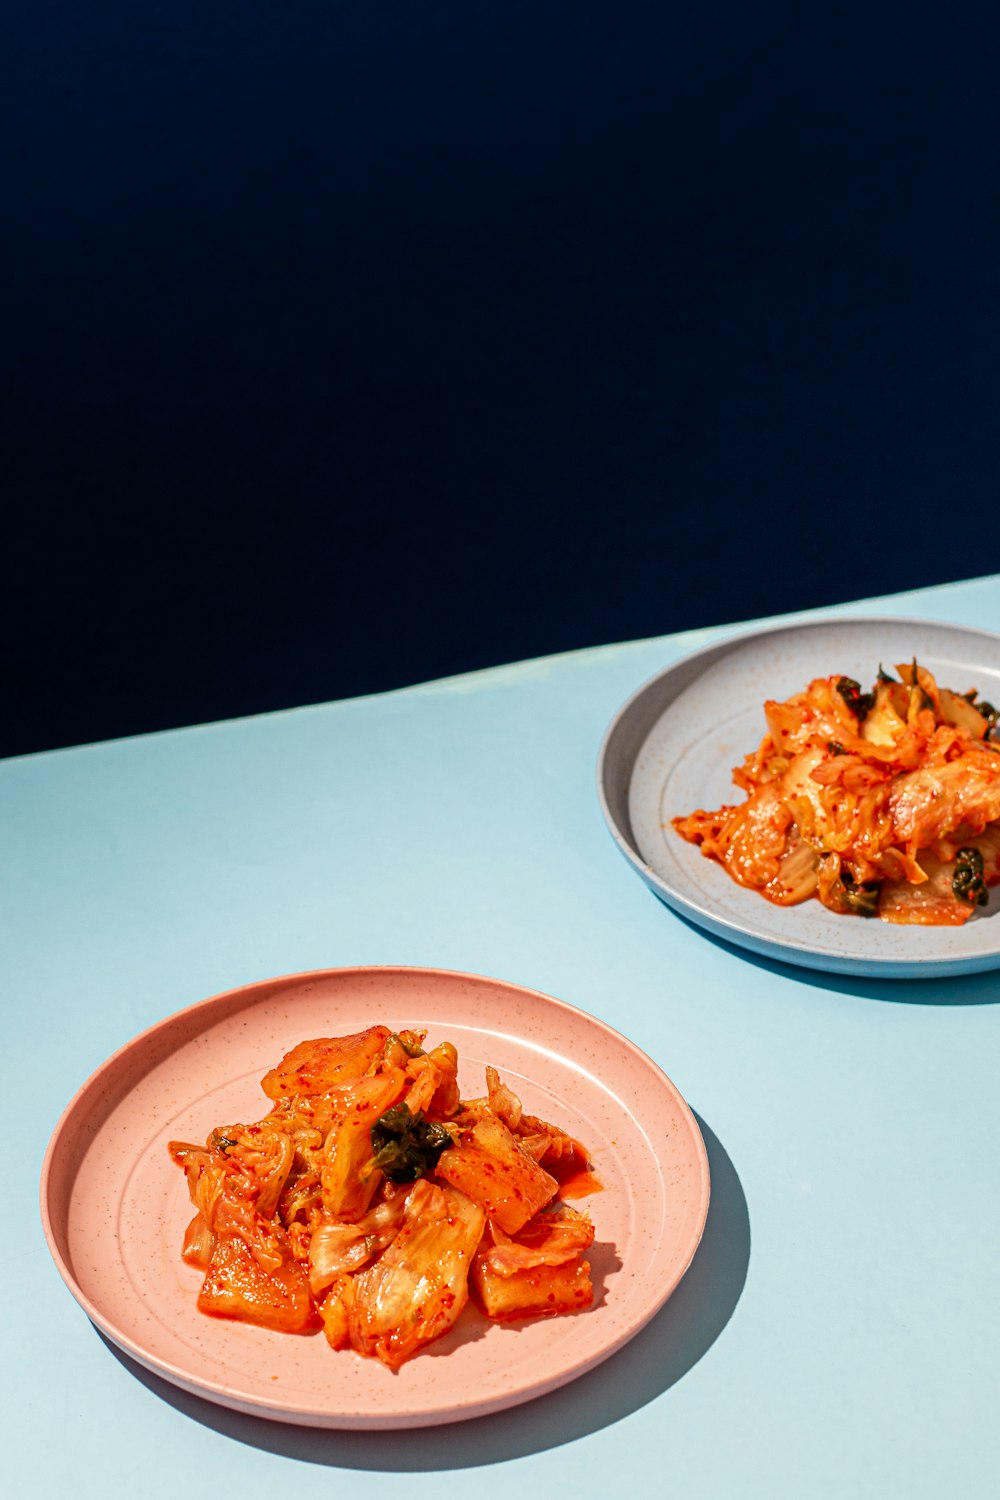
(114, 1207)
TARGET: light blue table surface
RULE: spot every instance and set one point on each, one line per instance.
(837, 1333)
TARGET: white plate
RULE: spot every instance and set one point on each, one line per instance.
(672, 749)
(114, 1206)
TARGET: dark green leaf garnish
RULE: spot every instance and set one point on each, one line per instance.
(861, 896)
(835, 747)
(406, 1145)
(967, 881)
(860, 704)
(223, 1143)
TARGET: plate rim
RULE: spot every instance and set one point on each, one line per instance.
(277, 1410)
(777, 946)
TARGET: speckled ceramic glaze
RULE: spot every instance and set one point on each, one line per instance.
(672, 749)
(114, 1206)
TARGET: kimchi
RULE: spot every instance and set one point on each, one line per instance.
(884, 803)
(372, 1201)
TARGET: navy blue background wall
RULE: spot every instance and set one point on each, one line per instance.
(348, 345)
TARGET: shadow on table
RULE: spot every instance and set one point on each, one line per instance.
(659, 1356)
(957, 989)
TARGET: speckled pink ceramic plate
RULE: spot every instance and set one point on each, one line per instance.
(114, 1206)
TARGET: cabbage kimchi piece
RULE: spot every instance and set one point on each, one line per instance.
(316, 1067)
(877, 804)
(237, 1286)
(538, 1272)
(490, 1165)
(349, 1175)
(251, 1272)
(337, 1247)
(416, 1289)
